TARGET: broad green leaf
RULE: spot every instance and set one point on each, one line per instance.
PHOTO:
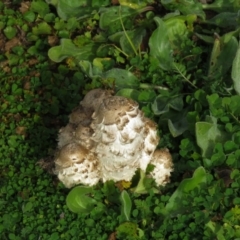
(126, 206)
(68, 49)
(214, 55)
(223, 6)
(197, 181)
(72, 8)
(78, 200)
(128, 93)
(222, 51)
(177, 30)
(42, 28)
(160, 47)
(10, 32)
(185, 7)
(136, 36)
(225, 19)
(162, 104)
(40, 7)
(110, 18)
(122, 78)
(177, 128)
(29, 16)
(236, 71)
(205, 38)
(208, 134)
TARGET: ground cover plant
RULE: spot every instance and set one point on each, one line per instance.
(180, 60)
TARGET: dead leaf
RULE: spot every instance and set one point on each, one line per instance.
(33, 61)
(20, 130)
(112, 236)
(24, 6)
(52, 40)
(12, 43)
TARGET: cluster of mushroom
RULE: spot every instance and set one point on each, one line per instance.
(108, 138)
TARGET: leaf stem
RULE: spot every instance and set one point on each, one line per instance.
(178, 70)
(124, 30)
(149, 86)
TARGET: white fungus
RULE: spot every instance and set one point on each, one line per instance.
(108, 138)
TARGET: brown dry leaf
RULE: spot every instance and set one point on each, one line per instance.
(27, 85)
(34, 74)
(7, 69)
(2, 43)
(24, 6)
(20, 130)
(33, 61)
(115, 2)
(52, 40)
(46, 164)
(112, 236)
(224, 174)
(12, 43)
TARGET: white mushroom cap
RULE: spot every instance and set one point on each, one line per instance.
(71, 153)
(66, 135)
(163, 166)
(75, 165)
(79, 115)
(125, 139)
(94, 98)
(83, 136)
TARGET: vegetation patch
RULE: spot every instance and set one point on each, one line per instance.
(180, 60)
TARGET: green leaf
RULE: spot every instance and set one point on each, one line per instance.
(10, 32)
(68, 49)
(160, 47)
(208, 134)
(178, 30)
(72, 8)
(78, 200)
(185, 7)
(42, 28)
(40, 7)
(178, 127)
(110, 18)
(126, 206)
(225, 50)
(27, 207)
(89, 69)
(122, 78)
(225, 19)
(236, 71)
(136, 36)
(216, 229)
(29, 16)
(205, 38)
(128, 93)
(198, 179)
(162, 104)
(223, 6)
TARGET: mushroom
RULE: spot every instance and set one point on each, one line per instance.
(109, 138)
(74, 165)
(94, 98)
(163, 166)
(125, 139)
(66, 135)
